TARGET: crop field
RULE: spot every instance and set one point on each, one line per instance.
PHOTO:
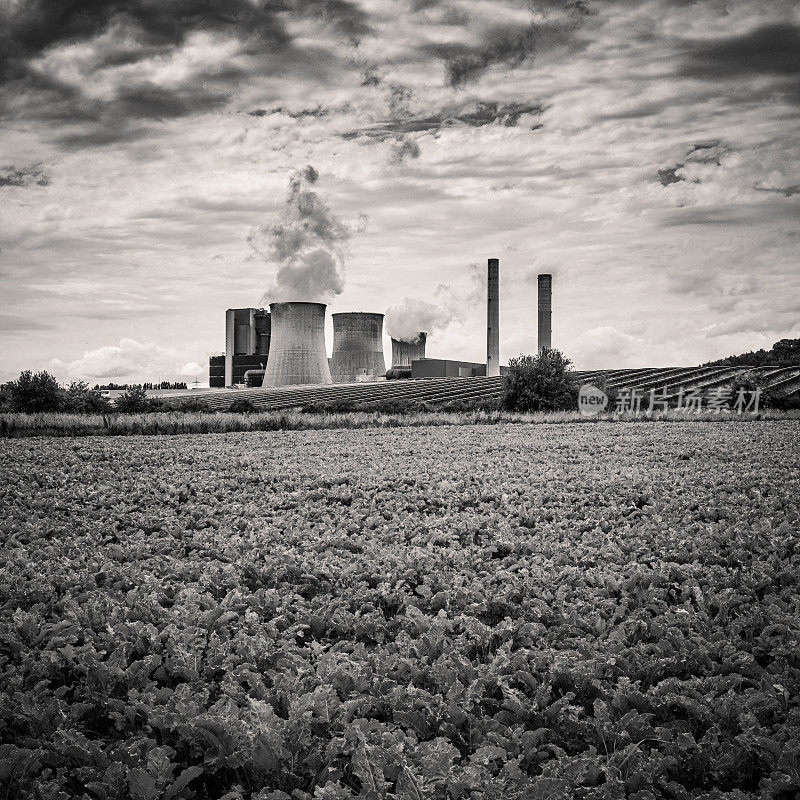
(509, 611)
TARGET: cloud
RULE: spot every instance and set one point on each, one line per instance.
(23, 176)
(139, 112)
(128, 360)
(772, 49)
(474, 114)
(191, 368)
(404, 149)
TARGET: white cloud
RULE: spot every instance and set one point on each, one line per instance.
(129, 360)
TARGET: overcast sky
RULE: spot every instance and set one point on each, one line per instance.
(644, 153)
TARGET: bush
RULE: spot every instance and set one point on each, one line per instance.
(134, 401)
(78, 398)
(543, 382)
(782, 401)
(241, 405)
(193, 404)
(330, 407)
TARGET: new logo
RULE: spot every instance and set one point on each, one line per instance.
(591, 400)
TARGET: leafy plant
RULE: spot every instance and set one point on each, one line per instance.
(543, 382)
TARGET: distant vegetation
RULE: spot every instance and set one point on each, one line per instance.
(147, 385)
(785, 353)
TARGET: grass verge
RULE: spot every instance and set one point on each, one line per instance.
(176, 422)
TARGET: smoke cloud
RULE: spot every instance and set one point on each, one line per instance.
(308, 242)
(406, 320)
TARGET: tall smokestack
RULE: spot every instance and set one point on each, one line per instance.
(297, 345)
(403, 353)
(545, 282)
(357, 346)
(493, 319)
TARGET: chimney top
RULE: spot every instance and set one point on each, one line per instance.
(494, 262)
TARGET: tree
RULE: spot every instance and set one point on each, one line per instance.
(31, 393)
(543, 382)
(78, 398)
(134, 401)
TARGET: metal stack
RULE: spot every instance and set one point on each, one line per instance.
(545, 287)
(493, 318)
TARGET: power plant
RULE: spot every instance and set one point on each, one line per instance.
(285, 345)
(545, 291)
(357, 347)
(403, 353)
(297, 345)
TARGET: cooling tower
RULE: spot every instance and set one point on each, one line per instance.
(545, 300)
(493, 318)
(297, 345)
(357, 346)
(403, 353)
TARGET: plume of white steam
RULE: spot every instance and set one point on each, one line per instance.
(307, 242)
(410, 317)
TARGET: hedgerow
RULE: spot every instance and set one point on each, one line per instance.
(596, 611)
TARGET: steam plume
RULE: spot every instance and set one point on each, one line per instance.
(406, 320)
(307, 242)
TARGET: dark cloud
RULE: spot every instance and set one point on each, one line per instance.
(769, 50)
(786, 191)
(30, 28)
(23, 176)
(476, 115)
(319, 111)
(507, 45)
(708, 152)
(346, 18)
(464, 64)
(670, 175)
(134, 30)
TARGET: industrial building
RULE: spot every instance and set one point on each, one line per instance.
(403, 353)
(357, 347)
(247, 342)
(297, 345)
(285, 345)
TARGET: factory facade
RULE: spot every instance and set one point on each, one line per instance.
(285, 345)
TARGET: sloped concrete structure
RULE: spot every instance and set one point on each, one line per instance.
(403, 353)
(297, 345)
(357, 347)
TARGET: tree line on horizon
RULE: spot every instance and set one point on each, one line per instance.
(784, 353)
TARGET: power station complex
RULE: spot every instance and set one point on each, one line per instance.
(285, 345)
